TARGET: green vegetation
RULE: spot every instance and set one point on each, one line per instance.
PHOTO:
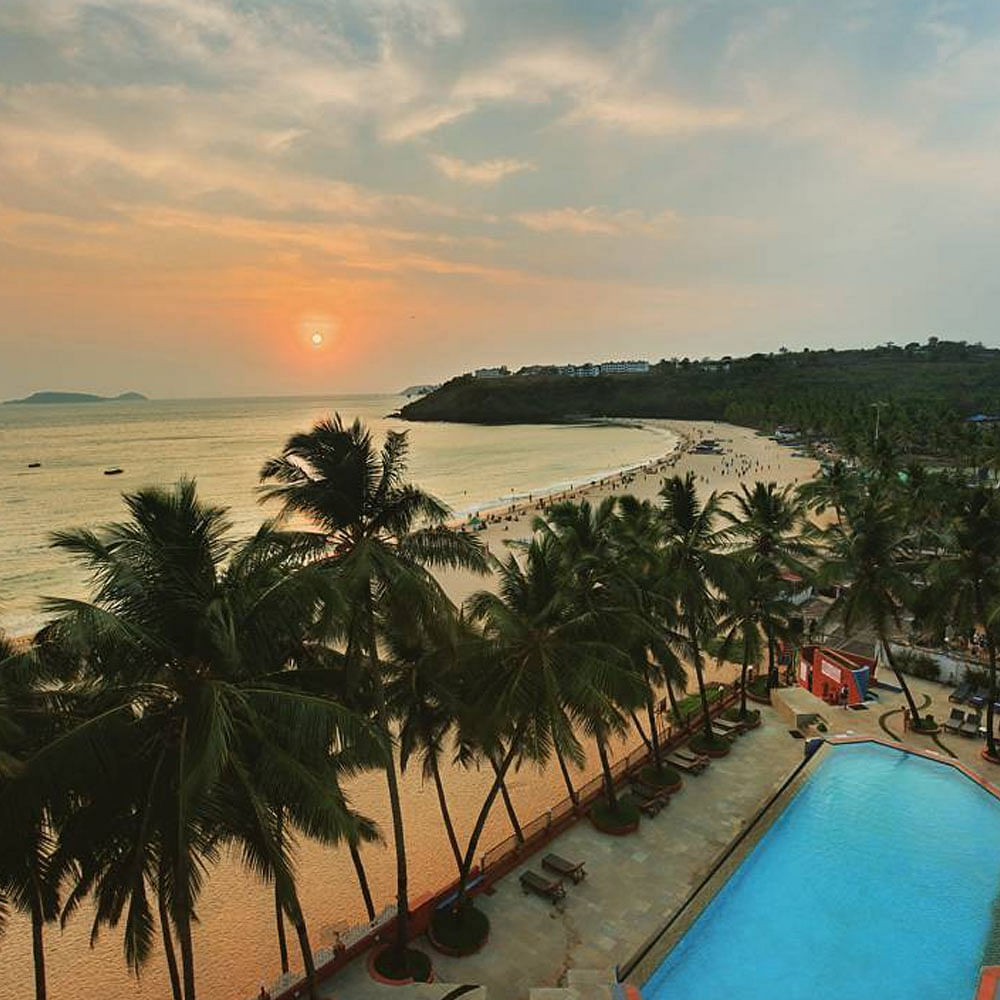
(665, 777)
(751, 716)
(918, 665)
(213, 692)
(928, 389)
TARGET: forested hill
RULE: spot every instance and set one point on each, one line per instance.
(928, 387)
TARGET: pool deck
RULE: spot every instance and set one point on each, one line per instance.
(634, 883)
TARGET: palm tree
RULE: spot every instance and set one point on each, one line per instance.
(769, 527)
(963, 583)
(29, 876)
(596, 584)
(382, 535)
(697, 566)
(870, 555)
(836, 486)
(198, 726)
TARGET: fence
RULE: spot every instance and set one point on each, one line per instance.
(501, 857)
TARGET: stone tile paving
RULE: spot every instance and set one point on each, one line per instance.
(633, 883)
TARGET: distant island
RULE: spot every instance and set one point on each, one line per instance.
(419, 390)
(75, 397)
(931, 397)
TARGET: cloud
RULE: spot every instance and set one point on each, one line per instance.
(483, 172)
(594, 221)
(658, 116)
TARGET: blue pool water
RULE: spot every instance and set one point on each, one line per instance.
(876, 881)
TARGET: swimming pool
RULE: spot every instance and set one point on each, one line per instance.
(877, 880)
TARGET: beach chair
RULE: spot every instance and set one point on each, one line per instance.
(649, 805)
(978, 699)
(723, 734)
(650, 791)
(568, 869)
(971, 725)
(733, 728)
(691, 766)
(962, 693)
(541, 886)
(686, 753)
(954, 721)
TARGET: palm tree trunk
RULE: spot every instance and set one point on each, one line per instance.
(654, 735)
(445, 814)
(402, 937)
(168, 943)
(279, 915)
(37, 940)
(646, 742)
(182, 921)
(359, 870)
(743, 681)
(675, 709)
(508, 805)
(772, 669)
(279, 918)
(477, 830)
(702, 693)
(307, 956)
(609, 781)
(914, 712)
(573, 797)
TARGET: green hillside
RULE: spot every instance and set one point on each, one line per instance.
(929, 389)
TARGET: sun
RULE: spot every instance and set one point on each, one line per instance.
(317, 339)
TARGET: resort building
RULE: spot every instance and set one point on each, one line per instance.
(501, 372)
(624, 367)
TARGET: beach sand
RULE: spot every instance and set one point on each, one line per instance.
(747, 457)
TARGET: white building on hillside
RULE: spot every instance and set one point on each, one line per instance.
(624, 367)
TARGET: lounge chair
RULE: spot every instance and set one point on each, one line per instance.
(954, 721)
(686, 753)
(568, 869)
(733, 728)
(646, 805)
(723, 734)
(695, 766)
(971, 725)
(978, 699)
(650, 791)
(962, 693)
(541, 886)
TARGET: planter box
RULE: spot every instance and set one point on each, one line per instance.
(379, 978)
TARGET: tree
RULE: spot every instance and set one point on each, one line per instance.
(382, 535)
(196, 729)
(698, 568)
(963, 582)
(835, 487)
(770, 529)
(870, 556)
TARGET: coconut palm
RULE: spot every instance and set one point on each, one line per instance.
(963, 582)
(29, 876)
(836, 487)
(697, 566)
(870, 556)
(187, 639)
(382, 536)
(770, 528)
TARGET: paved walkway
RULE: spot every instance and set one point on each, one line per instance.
(633, 882)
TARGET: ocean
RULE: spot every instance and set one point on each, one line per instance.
(223, 442)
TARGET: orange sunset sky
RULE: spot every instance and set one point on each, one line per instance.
(190, 189)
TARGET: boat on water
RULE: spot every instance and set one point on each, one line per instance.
(113, 472)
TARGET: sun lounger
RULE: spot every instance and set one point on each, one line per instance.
(568, 869)
(723, 734)
(650, 791)
(541, 886)
(649, 805)
(962, 693)
(979, 698)
(954, 721)
(686, 753)
(733, 728)
(695, 766)
(971, 725)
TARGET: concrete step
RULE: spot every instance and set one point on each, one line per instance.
(591, 984)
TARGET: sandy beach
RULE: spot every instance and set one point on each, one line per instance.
(235, 935)
(746, 457)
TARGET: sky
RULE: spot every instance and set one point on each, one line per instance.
(192, 192)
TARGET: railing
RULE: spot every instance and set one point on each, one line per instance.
(499, 858)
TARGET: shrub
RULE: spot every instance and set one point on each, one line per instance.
(665, 778)
(626, 813)
(821, 727)
(691, 704)
(703, 744)
(759, 686)
(463, 930)
(916, 664)
(733, 715)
